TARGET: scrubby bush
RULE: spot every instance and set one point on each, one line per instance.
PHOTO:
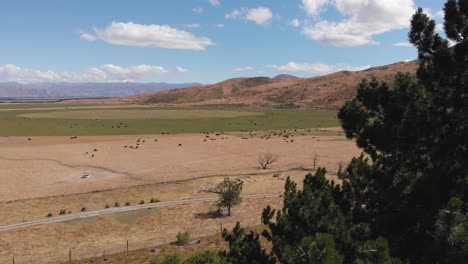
(154, 200)
(142, 202)
(183, 238)
(62, 212)
(207, 257)
(49, 214)
(172, 259)
(107, 206)
(116, 204)
(127, 203)
(83, 209)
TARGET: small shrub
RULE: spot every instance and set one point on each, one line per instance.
(49, 214)
(107, 206)
(117, 204)
(154, 200)
(183, 238)
(83, 209)
(69, 212)
(62, 212)
(142, 202)
(207, 257)
(172, 259)
(127, 203)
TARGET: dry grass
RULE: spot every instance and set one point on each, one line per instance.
(92, 236)
(44, 175)
(54, 165)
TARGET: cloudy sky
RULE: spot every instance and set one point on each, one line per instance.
(200, 40)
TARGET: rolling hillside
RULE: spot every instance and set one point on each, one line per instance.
(284, 91)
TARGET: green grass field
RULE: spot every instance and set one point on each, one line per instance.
(124, 121)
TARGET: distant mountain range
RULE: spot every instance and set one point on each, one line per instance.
(83, 90)
(283, 91)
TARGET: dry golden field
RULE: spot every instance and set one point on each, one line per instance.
(44, 175)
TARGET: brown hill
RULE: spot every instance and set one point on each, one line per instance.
(324, 92)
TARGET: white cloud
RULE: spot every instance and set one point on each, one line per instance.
(439, 27)
(214, 2)
(260, 15)
(440, 13)
(158, 36)
(244, 69)
(295, 23)
(87, 37)
(402, 44)
(314, 7)
(363, 19)
(219, 25)
(197, 9)
(192, 25)
(428, 12)
(181, 69)
(316, 68)
(104, 73)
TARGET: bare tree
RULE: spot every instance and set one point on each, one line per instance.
(266, 159)
(315, 159)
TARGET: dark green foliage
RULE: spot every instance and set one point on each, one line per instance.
(229, 193)
(416, 133)
(83, 209)
(142, 202)
(127, 204)
(107, 206)
(320, 218)
(62, 212)
(172, 259)
(49, 214)
(116, 204)
(183, 238)
(245, 247)
(207, 257)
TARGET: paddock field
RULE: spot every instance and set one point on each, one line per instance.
(91, 120)
(55, 157)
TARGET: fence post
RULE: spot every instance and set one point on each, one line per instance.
(13, 260)
(69, 254)
(221, 224)
(127, 245)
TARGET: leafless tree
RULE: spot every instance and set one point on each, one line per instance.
(266, 159)
(315, 159)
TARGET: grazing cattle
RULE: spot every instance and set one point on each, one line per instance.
(92, 156)
(95, 149)
(155, 140)
(180, 145)
(29, 138)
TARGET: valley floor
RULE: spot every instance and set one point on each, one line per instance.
(49, 174)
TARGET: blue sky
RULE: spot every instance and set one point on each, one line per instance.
(201, 40)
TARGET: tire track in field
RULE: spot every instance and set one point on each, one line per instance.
(79, 166)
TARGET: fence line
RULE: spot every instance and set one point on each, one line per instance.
(77, 253)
